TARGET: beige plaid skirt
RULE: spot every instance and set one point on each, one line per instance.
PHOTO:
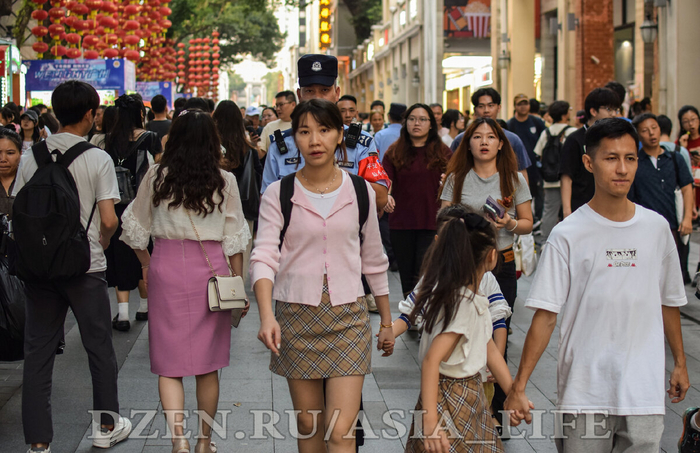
(463, 411)
(324, 341)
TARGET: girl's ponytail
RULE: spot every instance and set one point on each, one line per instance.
(452, 263)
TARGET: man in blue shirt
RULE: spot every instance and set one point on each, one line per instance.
(659, 172)
(386, 137)
(487, 104)
(317, 80)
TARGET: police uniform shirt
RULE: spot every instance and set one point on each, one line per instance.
(362, 160)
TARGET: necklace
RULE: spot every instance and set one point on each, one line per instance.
(322, 192)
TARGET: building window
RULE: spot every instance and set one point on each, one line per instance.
(370, 51)
(402, 17)
(413, 8)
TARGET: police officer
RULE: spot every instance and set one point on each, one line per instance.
(317, 80)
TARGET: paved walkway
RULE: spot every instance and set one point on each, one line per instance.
(249, 391)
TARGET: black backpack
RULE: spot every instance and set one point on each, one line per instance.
(287, 190)
(127, 182)
(551, 155)
(51, 243)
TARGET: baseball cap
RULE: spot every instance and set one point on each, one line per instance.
(252, 111)
(317, 69)
(520, 97)
(32, 116)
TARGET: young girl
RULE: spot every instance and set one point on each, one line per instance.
(320, 331)
(29, 122)
(456, 342)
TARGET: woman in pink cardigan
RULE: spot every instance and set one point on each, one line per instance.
(320, 328)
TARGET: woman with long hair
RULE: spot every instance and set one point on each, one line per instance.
(237, 150)
(319, 332)
(133, 148)
(29, 121)
(192, 209)
(414, 163)
(454, 121)
(109, 117)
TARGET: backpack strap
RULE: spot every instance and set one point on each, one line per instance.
(286, 192)
(362, 200)
(73, 152)
(42, 155)
(563, 131)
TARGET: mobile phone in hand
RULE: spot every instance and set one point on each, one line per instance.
(236, 315)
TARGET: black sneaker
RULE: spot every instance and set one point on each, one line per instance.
(142, 316)
(690, 439)
(122, 326)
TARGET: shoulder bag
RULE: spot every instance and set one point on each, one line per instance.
(224, 292)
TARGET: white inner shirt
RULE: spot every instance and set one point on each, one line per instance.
(323, 203)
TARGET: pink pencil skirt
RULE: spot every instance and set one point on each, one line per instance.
(185, 338)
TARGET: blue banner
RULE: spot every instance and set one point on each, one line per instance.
(148, 90)
(45, 75)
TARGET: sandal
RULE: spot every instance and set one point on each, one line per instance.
(180, 445)
(202, 447)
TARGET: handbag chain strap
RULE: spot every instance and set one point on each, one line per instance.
(205, 252)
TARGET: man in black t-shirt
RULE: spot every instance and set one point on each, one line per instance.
(528, 128)
(577, 184)
(161, 123)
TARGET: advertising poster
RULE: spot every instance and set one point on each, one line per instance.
(45, 75)
(467, 19)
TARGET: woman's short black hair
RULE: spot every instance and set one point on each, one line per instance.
(599, 98)
(71, 100)
(450, 117)
(11, 136)
(558, 109)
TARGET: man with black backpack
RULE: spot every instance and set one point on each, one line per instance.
(548, 148)
(64, 218)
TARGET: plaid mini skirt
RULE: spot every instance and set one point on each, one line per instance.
(463, 412)
(324, 341)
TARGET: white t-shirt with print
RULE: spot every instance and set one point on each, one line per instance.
(95, 179)
(609, 281)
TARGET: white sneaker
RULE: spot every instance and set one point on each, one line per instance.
(39, 450)
(371, 304)
(107, 439)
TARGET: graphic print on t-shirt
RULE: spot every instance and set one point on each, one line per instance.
(621, 257)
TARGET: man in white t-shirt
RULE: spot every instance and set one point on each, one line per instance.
(285, 101)
(74, 105)
(618, 292)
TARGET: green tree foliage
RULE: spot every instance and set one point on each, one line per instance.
(246, 26)
(274, 82)
(235, 81)
(365, 13)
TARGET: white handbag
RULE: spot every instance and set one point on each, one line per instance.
(525, 254)
(224, 292)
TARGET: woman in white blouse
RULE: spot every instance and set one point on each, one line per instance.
(185, 198)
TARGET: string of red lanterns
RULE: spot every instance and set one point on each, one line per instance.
(108, 29)
(203, 64)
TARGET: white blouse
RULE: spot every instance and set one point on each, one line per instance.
(141, 219)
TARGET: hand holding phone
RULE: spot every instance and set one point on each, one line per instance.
(494, 209)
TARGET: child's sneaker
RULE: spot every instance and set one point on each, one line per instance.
(107, 439)
(690, 439)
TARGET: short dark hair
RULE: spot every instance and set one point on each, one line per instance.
(450, 117)
(211, 105)
(180, 103)
(11, 136)
(611, 128)
(618, 88)
(495, 96)
(41, 107)
(72, 99)
(348, 97)
(435, 104)
(665, 124)
(288, 95)
(197, 103)
(644, 103)
(159, 103)
(639, 119)
(535, 106)
(558, 109)
(601, 97)
(376, 103)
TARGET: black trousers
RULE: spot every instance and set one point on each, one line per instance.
(386, 239)
(47, 306)
(508, 282)
(409, 249)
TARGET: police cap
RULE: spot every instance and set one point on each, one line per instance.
(317, 69)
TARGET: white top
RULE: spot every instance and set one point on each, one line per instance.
(609, 280)
(95, 179)
(141, 219)
(270, 129)
(555, 129)
(473, 322)
(447, 140)
(322, 202)
(26, 146)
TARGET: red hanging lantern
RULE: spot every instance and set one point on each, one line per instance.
(73, 53)
(91, 54)
(132, 55)
(40, 15)
(40, 47)
(73, 38)
(40, 31)
(58, 51)
(111, 53)
(131, 40)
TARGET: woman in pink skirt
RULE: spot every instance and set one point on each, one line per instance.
(186, 198)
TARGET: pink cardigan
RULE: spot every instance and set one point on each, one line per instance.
(313, 245)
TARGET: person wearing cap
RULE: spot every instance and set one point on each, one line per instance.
(317, 80)
(29, 121)
(529, 128)
(252, 114)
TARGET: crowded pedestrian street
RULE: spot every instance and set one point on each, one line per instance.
(249, 390)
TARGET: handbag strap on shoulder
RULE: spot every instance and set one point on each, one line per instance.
(233, 274)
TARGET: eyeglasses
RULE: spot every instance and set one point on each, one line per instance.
(279, 105)
(422, 120)
(690, 121)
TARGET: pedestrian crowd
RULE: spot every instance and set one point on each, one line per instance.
(167, 200)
